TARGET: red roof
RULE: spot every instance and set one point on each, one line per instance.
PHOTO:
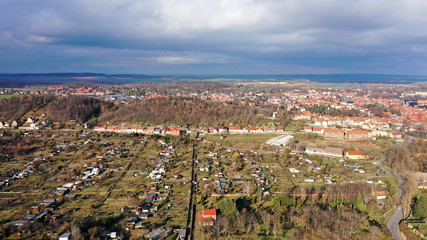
(210, 212)
(205, 219)
(356, 153)
(380, 193)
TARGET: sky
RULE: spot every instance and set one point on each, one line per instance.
(214, 36)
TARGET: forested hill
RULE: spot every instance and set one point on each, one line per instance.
(190, 111)
(55, 108)
(157, 111)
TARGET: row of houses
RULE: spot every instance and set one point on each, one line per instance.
(351, 134)
(31, 123)
(5, 125)
(183, 131)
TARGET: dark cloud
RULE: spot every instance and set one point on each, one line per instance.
(216, 36)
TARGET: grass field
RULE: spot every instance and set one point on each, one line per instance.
(241, 140)
(9, 96)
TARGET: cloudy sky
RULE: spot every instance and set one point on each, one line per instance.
(214, 36)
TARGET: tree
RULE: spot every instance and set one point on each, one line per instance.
(359, 204)
(227, 207)
(420, 207)
(267, 219)
(75, 230)
(247, 187)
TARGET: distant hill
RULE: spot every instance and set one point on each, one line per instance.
(29, 79)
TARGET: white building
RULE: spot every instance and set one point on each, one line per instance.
(281, 140)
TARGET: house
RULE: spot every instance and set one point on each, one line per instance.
(173, 131)
(356, 155)
(182, 233)
(308, 129)
(398, 135)
(160, 233)
(357, 134)
(31, 120)
(301, 117)
(280, 129)
(380, 195)
(318, 130)
(14, 124)
(65, 236)
(48, 202)
(235, 129)
(207, 218)
(422, 180)
(377, 134)
(334, 133)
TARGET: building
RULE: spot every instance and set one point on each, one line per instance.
(308, 129)
(281, 140)
(208, 217)
(328, 151)
(380, 195)
(421, 180)
(357, 134)
(182, 233)
(398, 135)
(334, 133)
(65, 236)
(235, 129)
(356, 155)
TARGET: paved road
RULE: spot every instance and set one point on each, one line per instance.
(191, 204)
(393, 224)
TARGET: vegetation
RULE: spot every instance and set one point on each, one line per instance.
(187, 111)
(14, 108)
(80, 109)
(420, 206)
(77, 108)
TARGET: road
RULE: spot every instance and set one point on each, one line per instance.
(191, 203)
(393, 224)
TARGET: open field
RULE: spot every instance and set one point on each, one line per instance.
(242, 140)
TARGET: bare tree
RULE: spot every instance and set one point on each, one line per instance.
(247, 187)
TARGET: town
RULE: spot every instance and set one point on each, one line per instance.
(153, 161)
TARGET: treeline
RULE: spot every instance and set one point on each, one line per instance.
(304, 214)
(407, 156)
(60, 108)
(187, 111)
(326, 110)
(15, 107)
(80, 109)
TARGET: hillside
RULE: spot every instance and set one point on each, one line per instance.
(187, 111)
(16, 107)
(78, 108)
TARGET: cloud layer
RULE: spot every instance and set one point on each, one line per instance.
(214, 36)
